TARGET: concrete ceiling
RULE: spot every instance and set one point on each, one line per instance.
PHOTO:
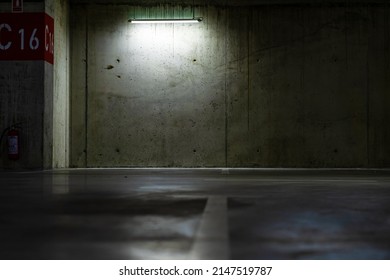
(222, 2)
(230, 2)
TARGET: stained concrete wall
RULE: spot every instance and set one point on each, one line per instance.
(61, 91)
(57, 98)
(264, 86)
(35, 95)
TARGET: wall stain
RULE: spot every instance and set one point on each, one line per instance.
(193, 123)
(215, 105)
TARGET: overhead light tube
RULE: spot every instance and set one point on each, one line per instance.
(192, 20)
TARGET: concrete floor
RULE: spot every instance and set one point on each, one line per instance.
(195, 214)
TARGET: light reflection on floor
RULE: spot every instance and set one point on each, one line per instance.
(195, 213)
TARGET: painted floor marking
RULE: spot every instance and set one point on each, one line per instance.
(212, 237)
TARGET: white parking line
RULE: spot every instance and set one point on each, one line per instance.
(212, 238)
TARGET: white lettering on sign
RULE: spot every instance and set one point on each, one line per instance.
(21, 32)
(8, 45)
(26, 36)
(17, 6)
(34, 41)
(49, 40)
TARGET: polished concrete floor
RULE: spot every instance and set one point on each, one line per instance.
(195, 214)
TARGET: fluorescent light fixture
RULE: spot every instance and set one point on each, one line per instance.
(192, 20)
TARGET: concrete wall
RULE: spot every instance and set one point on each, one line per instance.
(266, 86)
(316, 88)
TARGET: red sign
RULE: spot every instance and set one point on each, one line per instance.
(17, 6)
(26, 36)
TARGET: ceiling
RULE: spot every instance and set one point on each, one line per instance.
(221, 2)
(231, 2)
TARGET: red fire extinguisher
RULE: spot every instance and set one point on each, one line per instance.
(13, 144)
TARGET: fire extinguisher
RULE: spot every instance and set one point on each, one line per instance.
(13, 143)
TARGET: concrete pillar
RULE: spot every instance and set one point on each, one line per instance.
(60, 97)
(34, 95)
